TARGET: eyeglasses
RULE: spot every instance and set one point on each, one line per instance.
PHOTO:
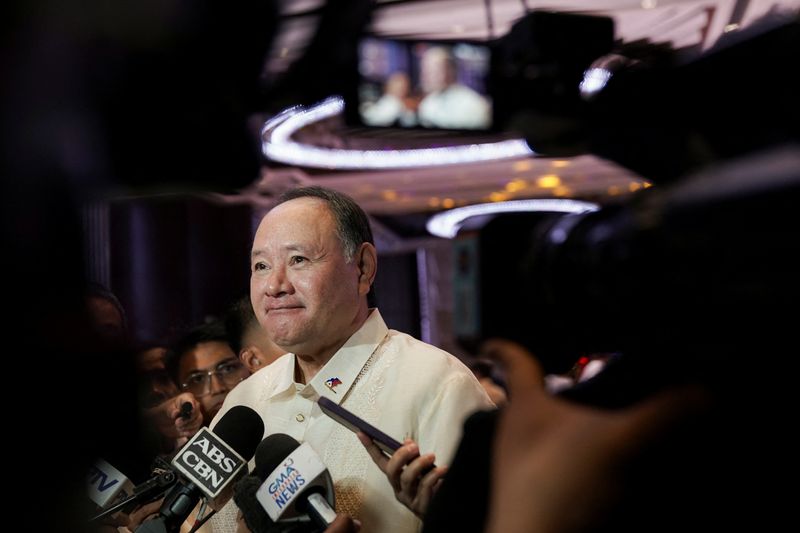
(228, 372)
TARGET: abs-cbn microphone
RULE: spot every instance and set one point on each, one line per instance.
(207, 464)
(297, 485)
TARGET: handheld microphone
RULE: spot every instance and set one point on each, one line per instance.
(297, 486)
(186, 410)
(208, 463)
(107, 484)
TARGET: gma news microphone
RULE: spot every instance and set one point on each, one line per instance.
(208, 463)
(297, 486)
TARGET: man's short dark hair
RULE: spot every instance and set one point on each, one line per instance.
(352, 224)
(238, 321)
(213, 331)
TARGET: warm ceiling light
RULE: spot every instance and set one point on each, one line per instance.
(498, 197)
(447, 223)
(549, 181)
(277, 145)
(516, 185)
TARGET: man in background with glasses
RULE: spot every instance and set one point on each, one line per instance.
(204, 364)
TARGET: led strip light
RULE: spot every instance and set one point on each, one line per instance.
(447, 223)
(277, 145)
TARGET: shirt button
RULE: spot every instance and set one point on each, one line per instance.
(300, 417)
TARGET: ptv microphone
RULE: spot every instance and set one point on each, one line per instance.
(298, 486)
(208, 463)
(107, 484)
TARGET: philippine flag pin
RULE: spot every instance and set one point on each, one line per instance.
(332, 383)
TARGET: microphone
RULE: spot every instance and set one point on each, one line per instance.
(186, 410)
(297, 486)
(208, 463)
(107, 485)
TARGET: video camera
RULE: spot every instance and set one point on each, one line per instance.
(696, 269)
(562, 81)
(699, 270)
(476, 86)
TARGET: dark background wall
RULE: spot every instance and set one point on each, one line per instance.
(176, 261)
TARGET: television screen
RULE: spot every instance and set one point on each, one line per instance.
(422, 84)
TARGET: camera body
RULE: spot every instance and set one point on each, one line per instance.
(530, 75)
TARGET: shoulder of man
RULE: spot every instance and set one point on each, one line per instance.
(435, 360)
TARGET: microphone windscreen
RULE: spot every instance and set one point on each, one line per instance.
(271, 452)
(186, 410)
(242, 429)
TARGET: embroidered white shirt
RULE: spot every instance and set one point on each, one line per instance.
(401, 385)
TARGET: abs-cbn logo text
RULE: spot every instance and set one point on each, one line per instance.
(208, 462)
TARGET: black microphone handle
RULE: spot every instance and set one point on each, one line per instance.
(156, 525)
(176, 507)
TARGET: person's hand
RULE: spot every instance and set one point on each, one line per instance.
(555, 464)
(186, 426)
(113, 523)
(144, 512)
(410, 474)
(343, 524)
(166, 417)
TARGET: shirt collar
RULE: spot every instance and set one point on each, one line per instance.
(337, 376)
(283, 371)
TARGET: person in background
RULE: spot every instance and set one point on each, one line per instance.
(313, 264)
(395, 107)
(204, 364)
(174, 415)
(248, 339)
(108, 317)
(448, 103)
(485, 372)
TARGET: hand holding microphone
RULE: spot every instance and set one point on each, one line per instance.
(189, 417)
(178, 417)
(208, 464)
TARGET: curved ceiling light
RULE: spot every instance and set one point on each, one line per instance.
(278, 146)
(447, 223)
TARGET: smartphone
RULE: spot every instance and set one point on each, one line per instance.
(386, 443)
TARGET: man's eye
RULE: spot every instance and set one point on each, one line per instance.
(228, 368)
(259, 266)
(298, 259)
(196, 379)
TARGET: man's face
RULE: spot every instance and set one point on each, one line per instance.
(304, 293)
(436, 70)
(155, 383)
(210, 390)
(106, 318)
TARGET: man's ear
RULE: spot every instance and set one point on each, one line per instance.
(250, 359)
(367, 262)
